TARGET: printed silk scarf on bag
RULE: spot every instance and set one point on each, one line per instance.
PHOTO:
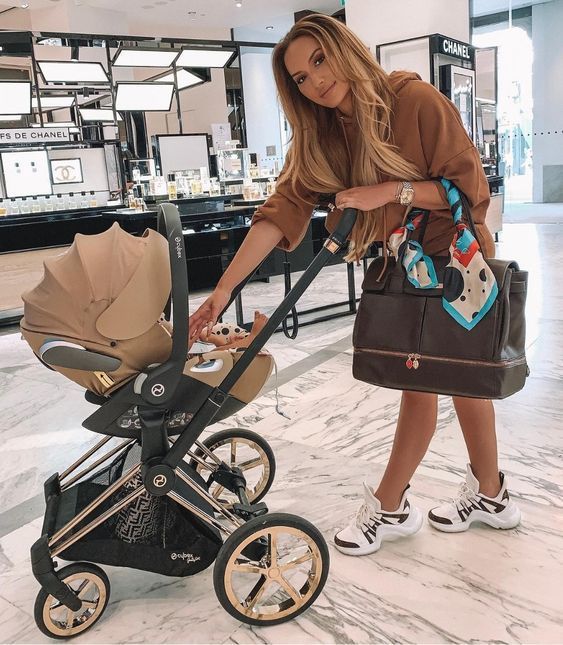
(469, 288)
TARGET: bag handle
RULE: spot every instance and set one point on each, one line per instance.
(457, 201)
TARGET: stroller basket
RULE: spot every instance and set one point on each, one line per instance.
(150, 533)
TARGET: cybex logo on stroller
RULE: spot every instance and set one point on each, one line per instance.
(178, 241)
(159, 481)
(187, 557)
(157, 390)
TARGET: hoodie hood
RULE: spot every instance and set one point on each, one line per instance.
(399, 79)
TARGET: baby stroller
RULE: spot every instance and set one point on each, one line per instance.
(162, 500)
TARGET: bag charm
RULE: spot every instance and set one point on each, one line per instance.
(412, 361)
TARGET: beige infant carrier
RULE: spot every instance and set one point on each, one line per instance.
(96, 317)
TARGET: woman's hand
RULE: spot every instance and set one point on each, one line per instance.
(367, 198)
(207, 314)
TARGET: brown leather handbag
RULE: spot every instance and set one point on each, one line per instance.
(404, 338)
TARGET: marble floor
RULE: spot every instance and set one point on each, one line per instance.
(482, 586)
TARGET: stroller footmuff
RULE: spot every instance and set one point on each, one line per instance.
(161, 500)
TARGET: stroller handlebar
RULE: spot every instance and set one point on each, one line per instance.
(161, 382)
(340, 235)
(345, 226)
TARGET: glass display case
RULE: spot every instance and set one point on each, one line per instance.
(486, 138)
(458, 84)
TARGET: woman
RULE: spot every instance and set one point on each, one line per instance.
(376, 140)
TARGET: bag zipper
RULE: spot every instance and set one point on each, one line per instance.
(413, 361)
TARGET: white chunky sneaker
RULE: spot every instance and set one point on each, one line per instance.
(372, 525)
(471, 506)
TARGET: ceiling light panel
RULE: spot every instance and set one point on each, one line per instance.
(15, 97)
(147, 97)
(145, 58)
(53, 102)
(184, 78)
(73, 72)
(204, 57)
(94, 114)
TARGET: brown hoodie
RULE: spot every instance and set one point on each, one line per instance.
(428, 131)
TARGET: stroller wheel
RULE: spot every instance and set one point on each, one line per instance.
(91, 585)
(271, 569)
(248, 451)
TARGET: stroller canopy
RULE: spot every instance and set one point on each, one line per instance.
(112, 285)
(106, 295)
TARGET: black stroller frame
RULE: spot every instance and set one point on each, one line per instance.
(162, 472)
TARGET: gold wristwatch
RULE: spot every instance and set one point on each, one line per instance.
(405, 193)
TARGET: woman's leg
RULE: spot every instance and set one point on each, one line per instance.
(415, 428)
(477, 421)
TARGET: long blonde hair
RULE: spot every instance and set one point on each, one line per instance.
(317, 156)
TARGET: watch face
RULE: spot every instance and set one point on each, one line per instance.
(407, 195)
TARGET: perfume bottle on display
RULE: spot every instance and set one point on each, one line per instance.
(93, 200)
(251, 190)
(196, 186)
(48, 204)
(214, 186)
(136, 174)
(183, 185)
(270, 187)
(35, 207)
(14, 207)
(83, 200)
(3, 208)
(204, 176)
(60, 202)
(24, 207)
(172, 187)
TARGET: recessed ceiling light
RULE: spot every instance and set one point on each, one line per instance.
(24, 5)
(238, 3)
(269, 27)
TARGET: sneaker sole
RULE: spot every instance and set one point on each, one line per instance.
(386, 533)
(504, 520)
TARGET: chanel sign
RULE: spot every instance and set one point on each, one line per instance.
(455, 48)
(11, 136)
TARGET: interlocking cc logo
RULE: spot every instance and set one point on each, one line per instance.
(65, 174)
(159, 481)
(157, 390)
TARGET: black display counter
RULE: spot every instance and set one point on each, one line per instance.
(213, 229)
(58, 228)
(213, 232)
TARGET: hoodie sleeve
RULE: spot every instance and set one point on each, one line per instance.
(450, 153)
(290, 210)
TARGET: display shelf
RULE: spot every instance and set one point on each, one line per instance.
(49, 216)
